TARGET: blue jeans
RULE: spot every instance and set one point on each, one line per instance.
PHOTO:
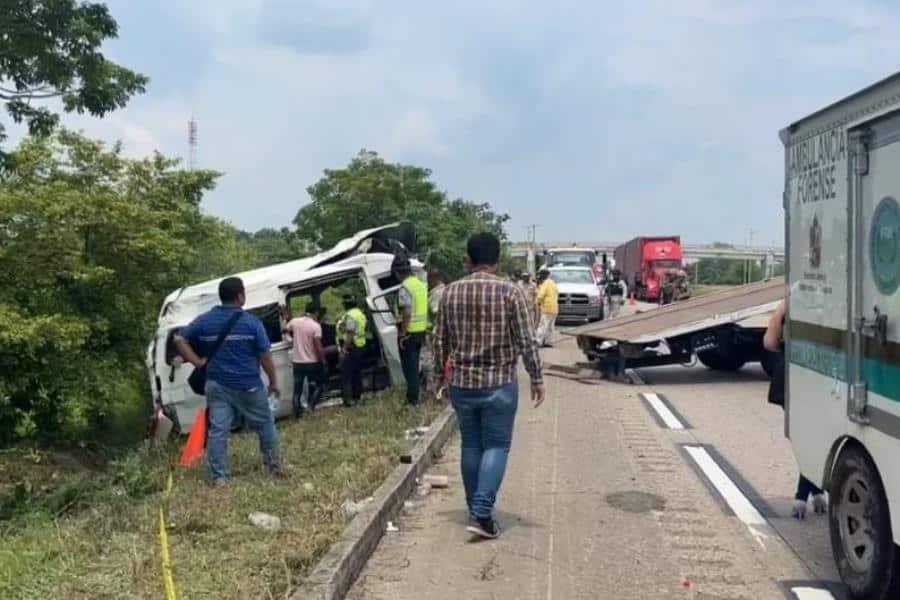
(486, 418)
(223, 405)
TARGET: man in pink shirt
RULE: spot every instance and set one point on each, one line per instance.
(308, 357)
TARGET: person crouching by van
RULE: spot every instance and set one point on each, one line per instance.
(352, 329)
(413, 301)
(773, 341)
(234, 387)
(307, 356)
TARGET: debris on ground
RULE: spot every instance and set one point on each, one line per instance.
(308, 487)
(351, 508)
(423, 489)
(266, 521)
(391, 528)
(414, 434)
(436, 481)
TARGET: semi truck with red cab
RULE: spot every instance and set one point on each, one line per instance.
(645, 261)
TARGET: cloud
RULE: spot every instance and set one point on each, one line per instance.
(596, 120)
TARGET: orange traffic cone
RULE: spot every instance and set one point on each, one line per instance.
(196, 442)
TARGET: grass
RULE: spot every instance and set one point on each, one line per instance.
(78, 527)
(705, 289)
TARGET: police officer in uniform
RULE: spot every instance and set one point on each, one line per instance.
(413, 302)
(615, 293)
(352, 330)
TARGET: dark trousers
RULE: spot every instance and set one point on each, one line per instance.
(805, 487)
(410, 353)
(351, 376)
(315, 374)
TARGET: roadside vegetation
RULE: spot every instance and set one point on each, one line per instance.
(85, 526)
(91, 241)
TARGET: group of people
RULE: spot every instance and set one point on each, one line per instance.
(542, 300)
(483, 323)
(238, 343)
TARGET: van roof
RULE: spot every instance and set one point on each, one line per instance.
(262, 284)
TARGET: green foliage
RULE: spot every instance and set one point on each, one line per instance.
(370, 192)
(90, 242)
(275, 246)
(721, 271)
(50, 49)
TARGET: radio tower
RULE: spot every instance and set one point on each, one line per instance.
(192, 143)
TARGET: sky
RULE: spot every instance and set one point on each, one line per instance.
(596, 121)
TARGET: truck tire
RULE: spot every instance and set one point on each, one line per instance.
(860, 526)
(722, 359)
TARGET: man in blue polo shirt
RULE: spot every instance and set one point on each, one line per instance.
(233, 384)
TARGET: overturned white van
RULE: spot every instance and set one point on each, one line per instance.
(360, 265)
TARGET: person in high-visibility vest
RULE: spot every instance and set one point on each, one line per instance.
(352, 329)
(413, 302)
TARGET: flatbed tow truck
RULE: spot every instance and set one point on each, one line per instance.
(723, 331)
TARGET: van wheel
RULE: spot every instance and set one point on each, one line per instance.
(860, 525)
(721, 359)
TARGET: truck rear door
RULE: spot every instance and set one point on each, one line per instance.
(816, 199)
(873, 407)
(875, 368)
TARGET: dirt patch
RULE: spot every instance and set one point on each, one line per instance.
(635, 501)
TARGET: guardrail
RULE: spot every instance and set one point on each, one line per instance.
(689, 251)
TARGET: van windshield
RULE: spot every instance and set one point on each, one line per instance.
(584, 258)
(571, 276)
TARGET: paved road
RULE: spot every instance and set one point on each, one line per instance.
(603, 500)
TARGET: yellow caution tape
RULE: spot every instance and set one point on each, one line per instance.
(168, 581)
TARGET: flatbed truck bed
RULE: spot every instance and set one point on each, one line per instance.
(723, 330)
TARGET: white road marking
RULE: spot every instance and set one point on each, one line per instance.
(809, 593)
(553, 486)
(667, 416)
(736, 500)
(635, 377)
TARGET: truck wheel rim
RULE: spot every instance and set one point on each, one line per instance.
(855, 516)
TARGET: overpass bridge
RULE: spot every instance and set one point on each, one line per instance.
(691, 252)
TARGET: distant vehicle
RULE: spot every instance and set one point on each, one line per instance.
(360, 265)
(580, 297)
(841, 185)
(574, 256)
(645, 261)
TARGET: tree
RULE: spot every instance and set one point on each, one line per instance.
(50, 49)
(273, 246)
(90, 243)
(370, 192)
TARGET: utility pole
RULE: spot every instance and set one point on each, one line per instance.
(192, 143)
(752, 263)
(531, 261)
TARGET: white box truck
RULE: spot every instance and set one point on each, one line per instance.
(841, 191)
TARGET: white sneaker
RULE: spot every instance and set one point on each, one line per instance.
(820, 504)
(799, 511)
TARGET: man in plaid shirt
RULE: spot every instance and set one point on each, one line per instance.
(484, 325)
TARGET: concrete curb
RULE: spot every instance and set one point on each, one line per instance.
(332, 578)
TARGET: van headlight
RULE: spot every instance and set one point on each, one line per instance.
(594, 299)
